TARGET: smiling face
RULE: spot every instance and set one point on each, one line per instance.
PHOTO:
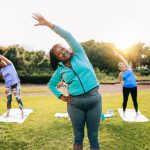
(61, 53)
(121, 66)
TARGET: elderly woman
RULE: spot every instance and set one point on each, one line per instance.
(84, 100)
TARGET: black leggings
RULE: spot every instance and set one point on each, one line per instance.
(133, 92)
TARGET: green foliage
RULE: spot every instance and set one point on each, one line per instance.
(40, 79)
(146, 57)
(144, 72)
(142, 75)
(105, 78)
(34, 66)
(31, 66)
(139, 55)
(42, 131)
(101, 55)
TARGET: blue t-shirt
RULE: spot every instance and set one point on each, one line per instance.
(128, 79)
(10, 75)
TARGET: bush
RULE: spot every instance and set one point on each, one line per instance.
(145, 72)
(39, 79)
(104, 78)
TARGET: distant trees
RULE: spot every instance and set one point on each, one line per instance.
(139, 56)
(134, 54)
(101, 55)
(34, 66)
(146, 57)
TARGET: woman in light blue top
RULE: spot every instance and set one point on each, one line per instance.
(12, 83)
(84, 100)
(126, 77)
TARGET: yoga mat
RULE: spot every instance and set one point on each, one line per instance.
(61, 115)
(108, 115)
(130, 116)
(15, 115)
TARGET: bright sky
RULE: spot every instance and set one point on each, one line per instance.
(122, 22)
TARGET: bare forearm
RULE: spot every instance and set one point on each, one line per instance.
(120, 81)
(5, 59)
(120, 78)
(49, 24)
(124, 60)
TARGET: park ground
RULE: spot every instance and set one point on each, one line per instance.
(42, 131)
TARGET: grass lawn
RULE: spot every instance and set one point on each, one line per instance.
(42, 131)
(28, 89)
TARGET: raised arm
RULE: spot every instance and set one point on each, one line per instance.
(76, 47)
(122, 58)
(7, 61)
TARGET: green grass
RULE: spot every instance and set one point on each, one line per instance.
(28, 89)
(42, 131)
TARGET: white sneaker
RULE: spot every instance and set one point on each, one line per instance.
(7, 115)
(22, 114)
(124, 114)
(136, 115)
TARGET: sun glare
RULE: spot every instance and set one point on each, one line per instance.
(122, 45)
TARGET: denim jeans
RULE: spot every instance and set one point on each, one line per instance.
(86, 109)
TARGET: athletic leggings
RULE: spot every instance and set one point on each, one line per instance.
(133, 92)
(86, 109)
(16, 92)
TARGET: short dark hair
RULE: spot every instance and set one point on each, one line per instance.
(53, 60)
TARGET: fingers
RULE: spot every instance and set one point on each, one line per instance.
(36, 15)
(36, 24)
(41, 20)
(67, 98)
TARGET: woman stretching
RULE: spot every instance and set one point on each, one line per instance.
(12, 83)
(84, 100)
(126, 76)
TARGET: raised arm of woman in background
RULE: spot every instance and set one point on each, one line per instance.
(122, 59)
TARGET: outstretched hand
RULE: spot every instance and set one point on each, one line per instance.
(41, 20)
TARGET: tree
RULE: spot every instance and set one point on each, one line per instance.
(135, 53)
(101, 55)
